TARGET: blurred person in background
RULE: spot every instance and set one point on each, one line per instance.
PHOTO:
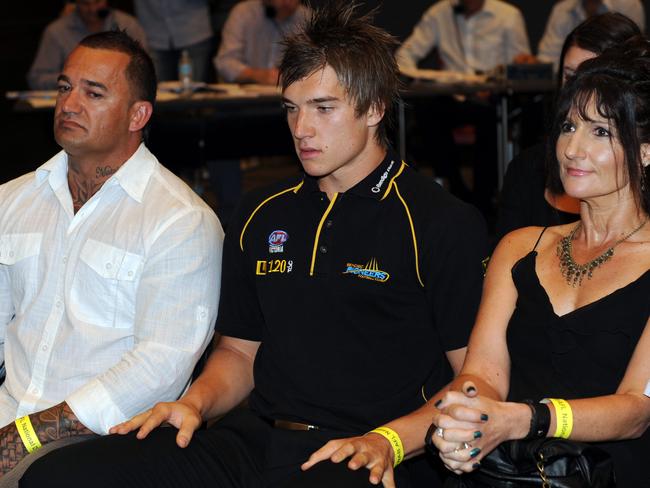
(567, 14)
(525, 198)
(173, 26)
(61, 36)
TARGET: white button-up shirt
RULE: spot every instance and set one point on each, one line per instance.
(107, 309)
(489, 38)
(567, 14)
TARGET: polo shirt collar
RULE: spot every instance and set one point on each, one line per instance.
(373, 186)
(133, 176)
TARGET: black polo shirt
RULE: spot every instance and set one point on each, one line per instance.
(354, 299)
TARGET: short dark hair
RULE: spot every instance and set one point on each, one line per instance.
(140, 71)
(598, 33)
(361, 55)
(618, 82)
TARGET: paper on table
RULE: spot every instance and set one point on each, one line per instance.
(443, 76)
(42, 102)
(31, 94)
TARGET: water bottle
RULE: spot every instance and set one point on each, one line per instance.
(185, 71)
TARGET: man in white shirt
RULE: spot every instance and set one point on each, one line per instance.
(567, 14)
(471, 35)
(251, 42)
(109, 264)
(62, 35)
(173, 26)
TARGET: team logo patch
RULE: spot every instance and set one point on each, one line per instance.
(277, 240)
(370, 271)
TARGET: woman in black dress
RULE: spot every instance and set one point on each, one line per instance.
(565, 309)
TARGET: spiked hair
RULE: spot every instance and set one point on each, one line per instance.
(361, 55)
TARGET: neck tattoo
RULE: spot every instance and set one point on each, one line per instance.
(573, 272)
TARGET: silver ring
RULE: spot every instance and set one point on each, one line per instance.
(462, 447)
(440, 432)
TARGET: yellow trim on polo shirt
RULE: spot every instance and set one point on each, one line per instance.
(415, 242)
(264, 202)
(316, 239)
(392, 180)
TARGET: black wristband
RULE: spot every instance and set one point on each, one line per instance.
(428, 441)
(540, 420)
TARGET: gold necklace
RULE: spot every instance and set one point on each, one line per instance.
(573, 272)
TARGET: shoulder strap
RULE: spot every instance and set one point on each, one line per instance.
(539, 238)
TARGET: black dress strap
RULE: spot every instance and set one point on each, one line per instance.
(540, 237)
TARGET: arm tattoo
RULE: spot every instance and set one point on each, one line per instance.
(55, 423)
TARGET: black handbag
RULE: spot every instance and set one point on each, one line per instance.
(547, 463)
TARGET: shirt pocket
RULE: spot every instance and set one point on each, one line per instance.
(105, 284)
(20, 253)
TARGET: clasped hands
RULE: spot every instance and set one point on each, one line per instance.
(466, 427)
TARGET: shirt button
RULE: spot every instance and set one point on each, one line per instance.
(323, 249)
(130, 273)
(44, 348)
(11, 254)
(109, 265)
(58, 304)
(35, 391)
(65, 259)
(328, 224)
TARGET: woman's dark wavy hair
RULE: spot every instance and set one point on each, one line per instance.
(618, 82)
(360, 54)
(598, 33)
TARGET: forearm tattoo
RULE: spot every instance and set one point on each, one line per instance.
(55, 423)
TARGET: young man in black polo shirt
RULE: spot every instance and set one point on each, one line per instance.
(346, 295)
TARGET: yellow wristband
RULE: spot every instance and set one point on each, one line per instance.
(27, 434)
(563, 418)
(395, 442)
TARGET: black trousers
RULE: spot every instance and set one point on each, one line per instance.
(240, 450)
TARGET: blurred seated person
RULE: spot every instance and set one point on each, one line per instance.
(62, 36)
(491, 33)
(525, 197)
(251, 41)
(565, 313)
(471, 36)
(250, 51)
(173, 26)
(567, 14)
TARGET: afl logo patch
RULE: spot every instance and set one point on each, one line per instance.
(277, 238)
